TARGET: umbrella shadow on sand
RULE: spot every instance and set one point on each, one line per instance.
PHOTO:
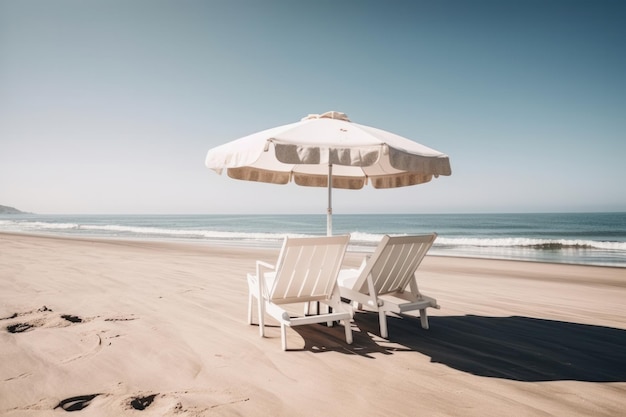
(516, 348)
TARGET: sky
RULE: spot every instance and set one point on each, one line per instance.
(109, 107)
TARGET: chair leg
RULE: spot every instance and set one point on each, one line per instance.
(382, 318)
(424, 318)
(283, 335)
(249, 308)
(261, 304)
(348, 327)
(327, 309)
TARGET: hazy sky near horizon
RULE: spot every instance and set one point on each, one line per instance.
(110, 106)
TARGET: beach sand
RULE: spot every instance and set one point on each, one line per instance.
(128, 328)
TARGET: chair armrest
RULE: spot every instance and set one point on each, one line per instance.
(347, 277)
(265, 265)
(261, 268)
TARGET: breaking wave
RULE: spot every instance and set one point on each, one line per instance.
(509, 242)
(529, 243)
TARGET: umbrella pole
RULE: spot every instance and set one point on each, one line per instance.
(329, 211)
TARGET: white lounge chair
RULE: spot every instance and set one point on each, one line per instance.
(306, 271)
(386, 281)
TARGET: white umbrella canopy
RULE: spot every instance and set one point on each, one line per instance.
(328, 146)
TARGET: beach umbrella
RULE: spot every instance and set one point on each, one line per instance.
(328, 150)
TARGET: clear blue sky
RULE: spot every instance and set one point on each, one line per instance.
(110, 106)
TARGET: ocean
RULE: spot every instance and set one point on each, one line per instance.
(575, 238)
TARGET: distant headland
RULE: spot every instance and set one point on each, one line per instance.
(10, 210)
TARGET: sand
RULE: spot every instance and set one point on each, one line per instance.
(128, 328)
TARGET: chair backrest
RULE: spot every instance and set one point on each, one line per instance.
(307, 269)
(393, 264)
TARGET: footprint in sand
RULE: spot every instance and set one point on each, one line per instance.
(19, 327)
(45, 319)
(76, 403)
(26, 326)
(141, 403)
(72, 319)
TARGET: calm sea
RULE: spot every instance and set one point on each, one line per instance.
(579, 238)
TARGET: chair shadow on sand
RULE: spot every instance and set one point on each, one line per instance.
(516, 348)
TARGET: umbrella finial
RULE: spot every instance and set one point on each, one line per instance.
(335, 115)
(328, 115)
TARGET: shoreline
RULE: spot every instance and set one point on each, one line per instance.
(108, 323)
(566, 238)
(252, 246)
